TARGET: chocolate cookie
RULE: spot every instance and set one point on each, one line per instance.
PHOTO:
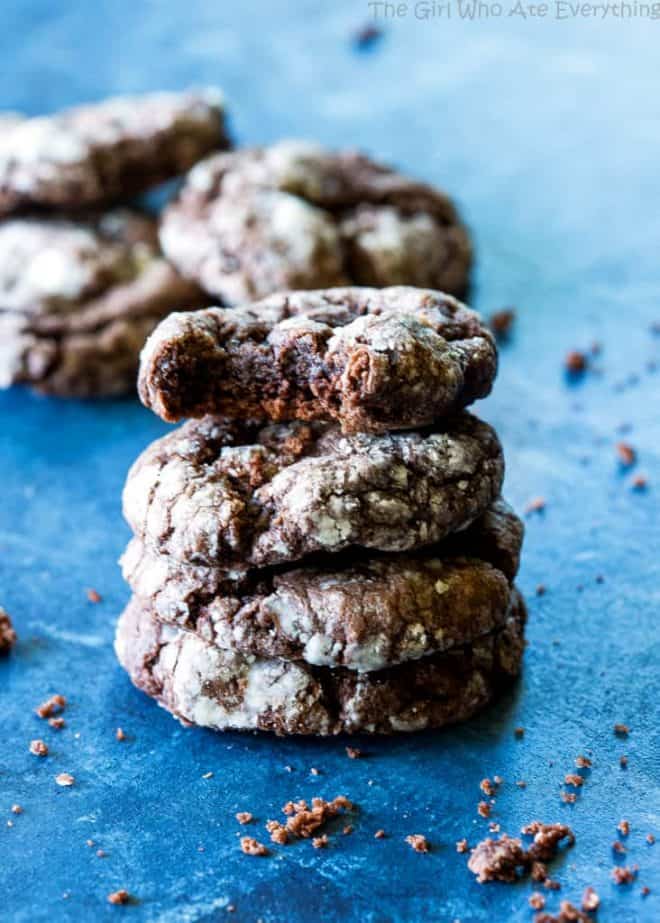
(358, 610)
(372, 359)
(106, 151)
(78, 299)
(296, 216)
(220, 689)
(224, 493)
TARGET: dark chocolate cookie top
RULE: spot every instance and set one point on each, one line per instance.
(223, 493)
(221, 689)
(361, 610)
(371, 359)
(107, 151)
(78, 299)
(297, 216)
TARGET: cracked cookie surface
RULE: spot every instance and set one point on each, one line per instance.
(224, 493)
(108, 151)
(297, 216)
(372, 359)
(78, 298)
(359, 610)
(207, 686)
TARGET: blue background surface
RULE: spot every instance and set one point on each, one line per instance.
(547, 132)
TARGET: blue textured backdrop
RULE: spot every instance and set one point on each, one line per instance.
(547, 131)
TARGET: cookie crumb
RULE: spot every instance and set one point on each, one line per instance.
(645, 891)
(639, 482)
(7, 633)
(57, 723)
(90, 843)
(418, 842)
(501, 323)
(119, 734)
(119, 897)
(93, 596)
(583, 762)
(536, 505)
(353, 753)
(367, 36)
(618, 847)
(348, 829)
(320, 842)
(623, 762)
(576, 362)
(627, 455)
(572, 778)
(379, 835)
(536, 900)
(462, 846)
(38, 748)
(551, 884)
(65, 779)
(497, 860)
(650, 839)
(624, 874)
(244, 817)
(568, 797)
(484, 809)
(278, 832)
(621, 730)
(519, 732)
(252, 847)
(487, 787)
(101, 853)
(17, 809)
(52, 706)
(590, 900)
(623, 827)
(521, 783)
(315, 772)
(304, 821)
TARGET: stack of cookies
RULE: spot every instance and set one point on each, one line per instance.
(82, 279)
(323, 546)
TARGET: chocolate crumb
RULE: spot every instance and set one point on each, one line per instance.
(462, 846)
(304, 821)
(17, 809)
(493, 827)
(567, 914)
(119, 734)
(583, 762)
(618, 847)
(57, 723)
(487, 787)
(101, 853)
(576, 362)
(626, 453)
(418, 842)
(278, 832)
(621, 730)
(497, 860)
(547, 839)
(624, 874)
(623, 762)
(252, 847)
(650, 839)
(93, 596)
(38, 748)
(536, 900)
(314, 771)
(645, 891)
(519, 732)
(590, 900)
(348, 829)
(623, 827)
(501, 323)
(119, 897)
(65, 779)
(568, 797)
(320, 842)
(379, 835)
(90, 843)
(521, 783)
(244, 817)
(538, 871)
(551, 884)
(639, 482)
(353, 753)
(7, 633)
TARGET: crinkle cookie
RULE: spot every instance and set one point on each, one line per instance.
(361, 611)
(107, 151)
(215, 688)
(221, 493)
(297, 216)
(372, 359)
(78, 299)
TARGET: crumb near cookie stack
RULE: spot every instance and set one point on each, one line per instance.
(321, 569)
(82, 278)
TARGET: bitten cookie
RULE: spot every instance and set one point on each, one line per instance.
(223, 493)
(78, 299)
(297, 216)
(372, 359)
(107, 151)
(358, 610)
(205, 685)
